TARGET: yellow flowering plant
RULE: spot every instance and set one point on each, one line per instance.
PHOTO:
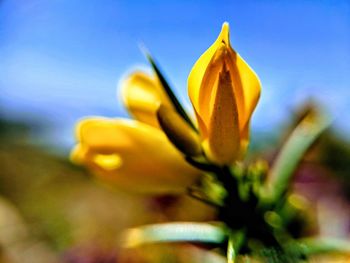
(163, 150)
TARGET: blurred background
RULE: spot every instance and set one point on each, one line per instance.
(61, 60)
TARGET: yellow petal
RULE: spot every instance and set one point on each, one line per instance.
(200, 67)
(246, 84)
(132, 155)
(142, 94)
(251, 87)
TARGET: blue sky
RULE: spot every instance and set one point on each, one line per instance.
(62, 59)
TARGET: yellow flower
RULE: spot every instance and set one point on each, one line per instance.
(224, 91)
(139, 155)
(134, 154)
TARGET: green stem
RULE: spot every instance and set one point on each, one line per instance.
(231, 252)
(235, 242)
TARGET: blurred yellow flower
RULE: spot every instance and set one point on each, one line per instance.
(224, 91)
(134, 154)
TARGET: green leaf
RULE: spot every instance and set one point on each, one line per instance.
(168, 90)
(175, 232)
(292, 152)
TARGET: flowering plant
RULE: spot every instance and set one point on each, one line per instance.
(164, 151)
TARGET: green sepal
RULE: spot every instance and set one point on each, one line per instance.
(179, 132)
(177, 105)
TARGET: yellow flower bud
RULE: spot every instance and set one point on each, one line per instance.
(224, 91)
